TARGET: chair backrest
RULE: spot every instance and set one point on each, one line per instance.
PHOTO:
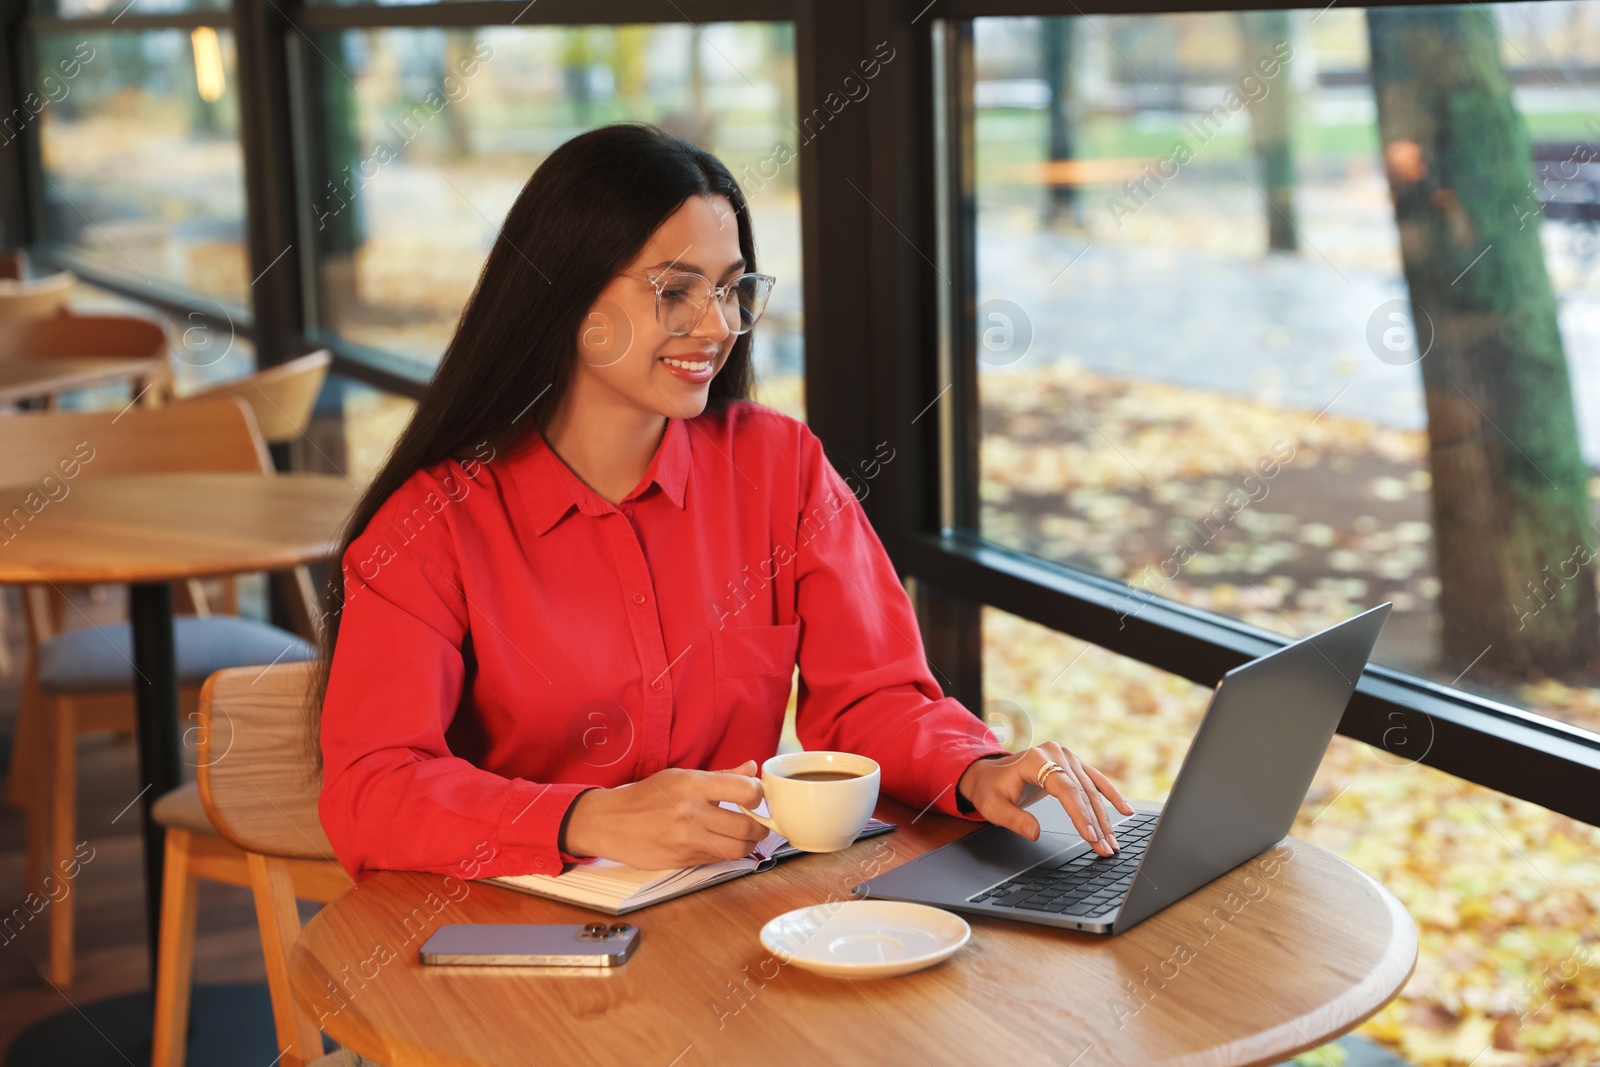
(217, 435)
(256, 782)
(34, 298)
(104, 336)
(282, 396)
(13, 264)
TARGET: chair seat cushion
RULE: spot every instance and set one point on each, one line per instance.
(181, 810)
(100, 659)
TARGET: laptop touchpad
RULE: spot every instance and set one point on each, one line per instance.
(1003, 853)
(1053, 818)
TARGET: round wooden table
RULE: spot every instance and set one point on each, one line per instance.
(147, 531)
(1282, 954)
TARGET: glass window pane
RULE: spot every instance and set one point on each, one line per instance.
(420, 192)
(1502, 891)
(381, 3)
(142, 167)
(115, 8)
(1259, 337)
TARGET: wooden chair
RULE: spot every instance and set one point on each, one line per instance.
(27, 298)
(258, 786)
(66, 335)
(32, 298)
(78, 680)
(282, 397)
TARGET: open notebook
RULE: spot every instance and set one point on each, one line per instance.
(615, 888)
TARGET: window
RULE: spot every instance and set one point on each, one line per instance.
(410, 195)
(1269, 325)
(142, 171)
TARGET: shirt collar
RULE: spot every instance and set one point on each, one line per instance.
(551, 489)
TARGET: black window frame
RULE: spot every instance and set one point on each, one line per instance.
(887, 251)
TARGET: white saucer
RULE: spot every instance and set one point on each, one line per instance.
(865, 938)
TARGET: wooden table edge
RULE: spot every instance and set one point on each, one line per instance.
(271, 559)
(1400, 962)
(1404, 948)
(142, 575)
(356, 1035)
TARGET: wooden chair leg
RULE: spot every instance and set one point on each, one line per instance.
(270, 881)
(175, 959)
(63, 819)
(38, 783)
(7, 661)
(230, 595)
(189, 597)
(29, 744)
(300, 601)
(57, 604)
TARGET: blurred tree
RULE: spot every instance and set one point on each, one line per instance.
(1271, 119)
(1057, 39)
(628, 62)
(577, 53)
(458, 53)
(1511, 510)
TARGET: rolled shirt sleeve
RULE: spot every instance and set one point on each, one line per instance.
(393, 795)
(865, 686)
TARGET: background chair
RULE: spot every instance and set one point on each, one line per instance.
(282, 397)
(78, 680)
(251, 820)
(32, 298)
(65, 335)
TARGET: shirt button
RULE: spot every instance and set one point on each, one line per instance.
(638, 598)
(658, 684)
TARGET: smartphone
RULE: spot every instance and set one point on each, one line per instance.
(531, 944)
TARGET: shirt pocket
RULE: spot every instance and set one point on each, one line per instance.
(754, 667)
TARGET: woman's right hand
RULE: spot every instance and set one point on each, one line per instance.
(670, 819)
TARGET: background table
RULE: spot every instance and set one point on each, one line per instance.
(148, 530)
(24, 378)
(1293, 958)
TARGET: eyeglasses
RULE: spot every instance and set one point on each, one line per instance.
(682, 298)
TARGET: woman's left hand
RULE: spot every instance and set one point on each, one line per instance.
(1001, 788)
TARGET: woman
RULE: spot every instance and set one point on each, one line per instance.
(571, 603)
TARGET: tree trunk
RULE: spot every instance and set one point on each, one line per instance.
(1057, 48)
(1512, 518)
(1270, 121)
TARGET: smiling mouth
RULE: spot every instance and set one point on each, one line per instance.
(688, 364)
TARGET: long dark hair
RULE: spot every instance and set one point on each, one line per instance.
(582, 217)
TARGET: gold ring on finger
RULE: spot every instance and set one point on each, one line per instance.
(1050, 767)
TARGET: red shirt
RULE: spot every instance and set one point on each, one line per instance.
(511, 638)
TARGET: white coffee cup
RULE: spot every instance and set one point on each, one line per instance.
(815, 815)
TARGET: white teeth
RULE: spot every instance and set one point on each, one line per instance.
(686, 365)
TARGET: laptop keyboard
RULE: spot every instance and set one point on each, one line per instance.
(1091, 885)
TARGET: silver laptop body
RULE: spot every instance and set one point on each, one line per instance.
(1243, 780)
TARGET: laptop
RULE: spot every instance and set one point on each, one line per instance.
(1243, 780)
